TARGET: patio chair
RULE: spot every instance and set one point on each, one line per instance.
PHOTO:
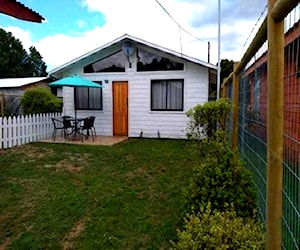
(57, 125)
(87, 126)
(92, 124)
(68, 124)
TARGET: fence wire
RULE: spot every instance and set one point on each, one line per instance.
(252, 133)
(252, 129)
(291, 169)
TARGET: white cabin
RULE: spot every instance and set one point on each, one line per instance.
(147, 88)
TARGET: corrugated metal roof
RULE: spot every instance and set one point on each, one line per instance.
(19, 82)
(135, 39)
(20, 11)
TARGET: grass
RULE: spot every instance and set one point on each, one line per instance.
(58, 196)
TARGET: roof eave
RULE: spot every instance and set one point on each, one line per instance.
(135, 39)
(18, 10)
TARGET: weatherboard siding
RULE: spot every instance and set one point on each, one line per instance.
(164, 124)
(152, 124)
(103, 117)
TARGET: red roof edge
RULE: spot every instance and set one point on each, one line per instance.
(18, 10)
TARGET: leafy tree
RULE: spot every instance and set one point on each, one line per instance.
(15, 61)
(34, 63)
(40, 100)
(226, 68)
(12, 56)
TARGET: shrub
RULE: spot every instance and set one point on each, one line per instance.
(205, 118)
(213, 148)
(221, 181)
(40, 100)
(219, 230)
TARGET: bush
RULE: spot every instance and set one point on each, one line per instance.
(219, 230)
(214, 148)
(205, 118)
(221, 180)
(40, 100)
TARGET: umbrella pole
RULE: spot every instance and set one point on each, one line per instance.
(75, 115)
(75, 111)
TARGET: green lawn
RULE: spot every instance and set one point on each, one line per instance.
(128, 196)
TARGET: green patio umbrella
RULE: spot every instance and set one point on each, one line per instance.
(75, 81)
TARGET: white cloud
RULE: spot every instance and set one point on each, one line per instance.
(23, 35)
(145, 19)
(81, 23)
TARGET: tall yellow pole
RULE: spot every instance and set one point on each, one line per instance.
(235, 83)
(274, 129)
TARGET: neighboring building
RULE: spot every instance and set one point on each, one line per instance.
(11, 90)
(256, 88)
(147, 88)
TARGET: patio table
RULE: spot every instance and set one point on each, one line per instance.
(75, 126)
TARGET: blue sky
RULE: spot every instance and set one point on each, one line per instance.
(75, 27)
(62, 16)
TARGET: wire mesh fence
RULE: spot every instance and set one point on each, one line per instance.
(252, 128)
(291, 147)
(252, 135)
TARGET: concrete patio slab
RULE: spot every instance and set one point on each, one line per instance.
(99, 140)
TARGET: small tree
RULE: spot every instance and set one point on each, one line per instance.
(221, 179)
(221, 230)
(205, 118)
(40, 100)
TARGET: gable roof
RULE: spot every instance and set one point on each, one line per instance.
(137, 40)
(19, 82)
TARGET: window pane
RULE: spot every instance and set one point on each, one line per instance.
(95, 98)
(175, 93)
(159, 94)
(112, 63)
(256, 95)
(81, 96)
(167, 95)
(88, 98)
(149, 61)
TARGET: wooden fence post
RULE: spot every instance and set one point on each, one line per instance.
(235, 100)
(274, 129)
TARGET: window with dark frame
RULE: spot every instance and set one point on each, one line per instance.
(112, 63)
(167, 95)
(256, 91)
(88, 98)
(149, 61)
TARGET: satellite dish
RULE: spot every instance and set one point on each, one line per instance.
(127, 48)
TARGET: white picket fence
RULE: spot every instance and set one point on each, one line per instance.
(19, 130)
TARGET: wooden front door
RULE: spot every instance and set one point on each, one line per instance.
(120, 108)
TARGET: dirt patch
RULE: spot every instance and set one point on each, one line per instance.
(139, 172)
(5, 244)
(33, 152)
(65, 165)
(146, 176)
(136, 172)
(73, 169)
(7, 241)
(99, 140)
(67, 242)
(72, 163)
(77, 183)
